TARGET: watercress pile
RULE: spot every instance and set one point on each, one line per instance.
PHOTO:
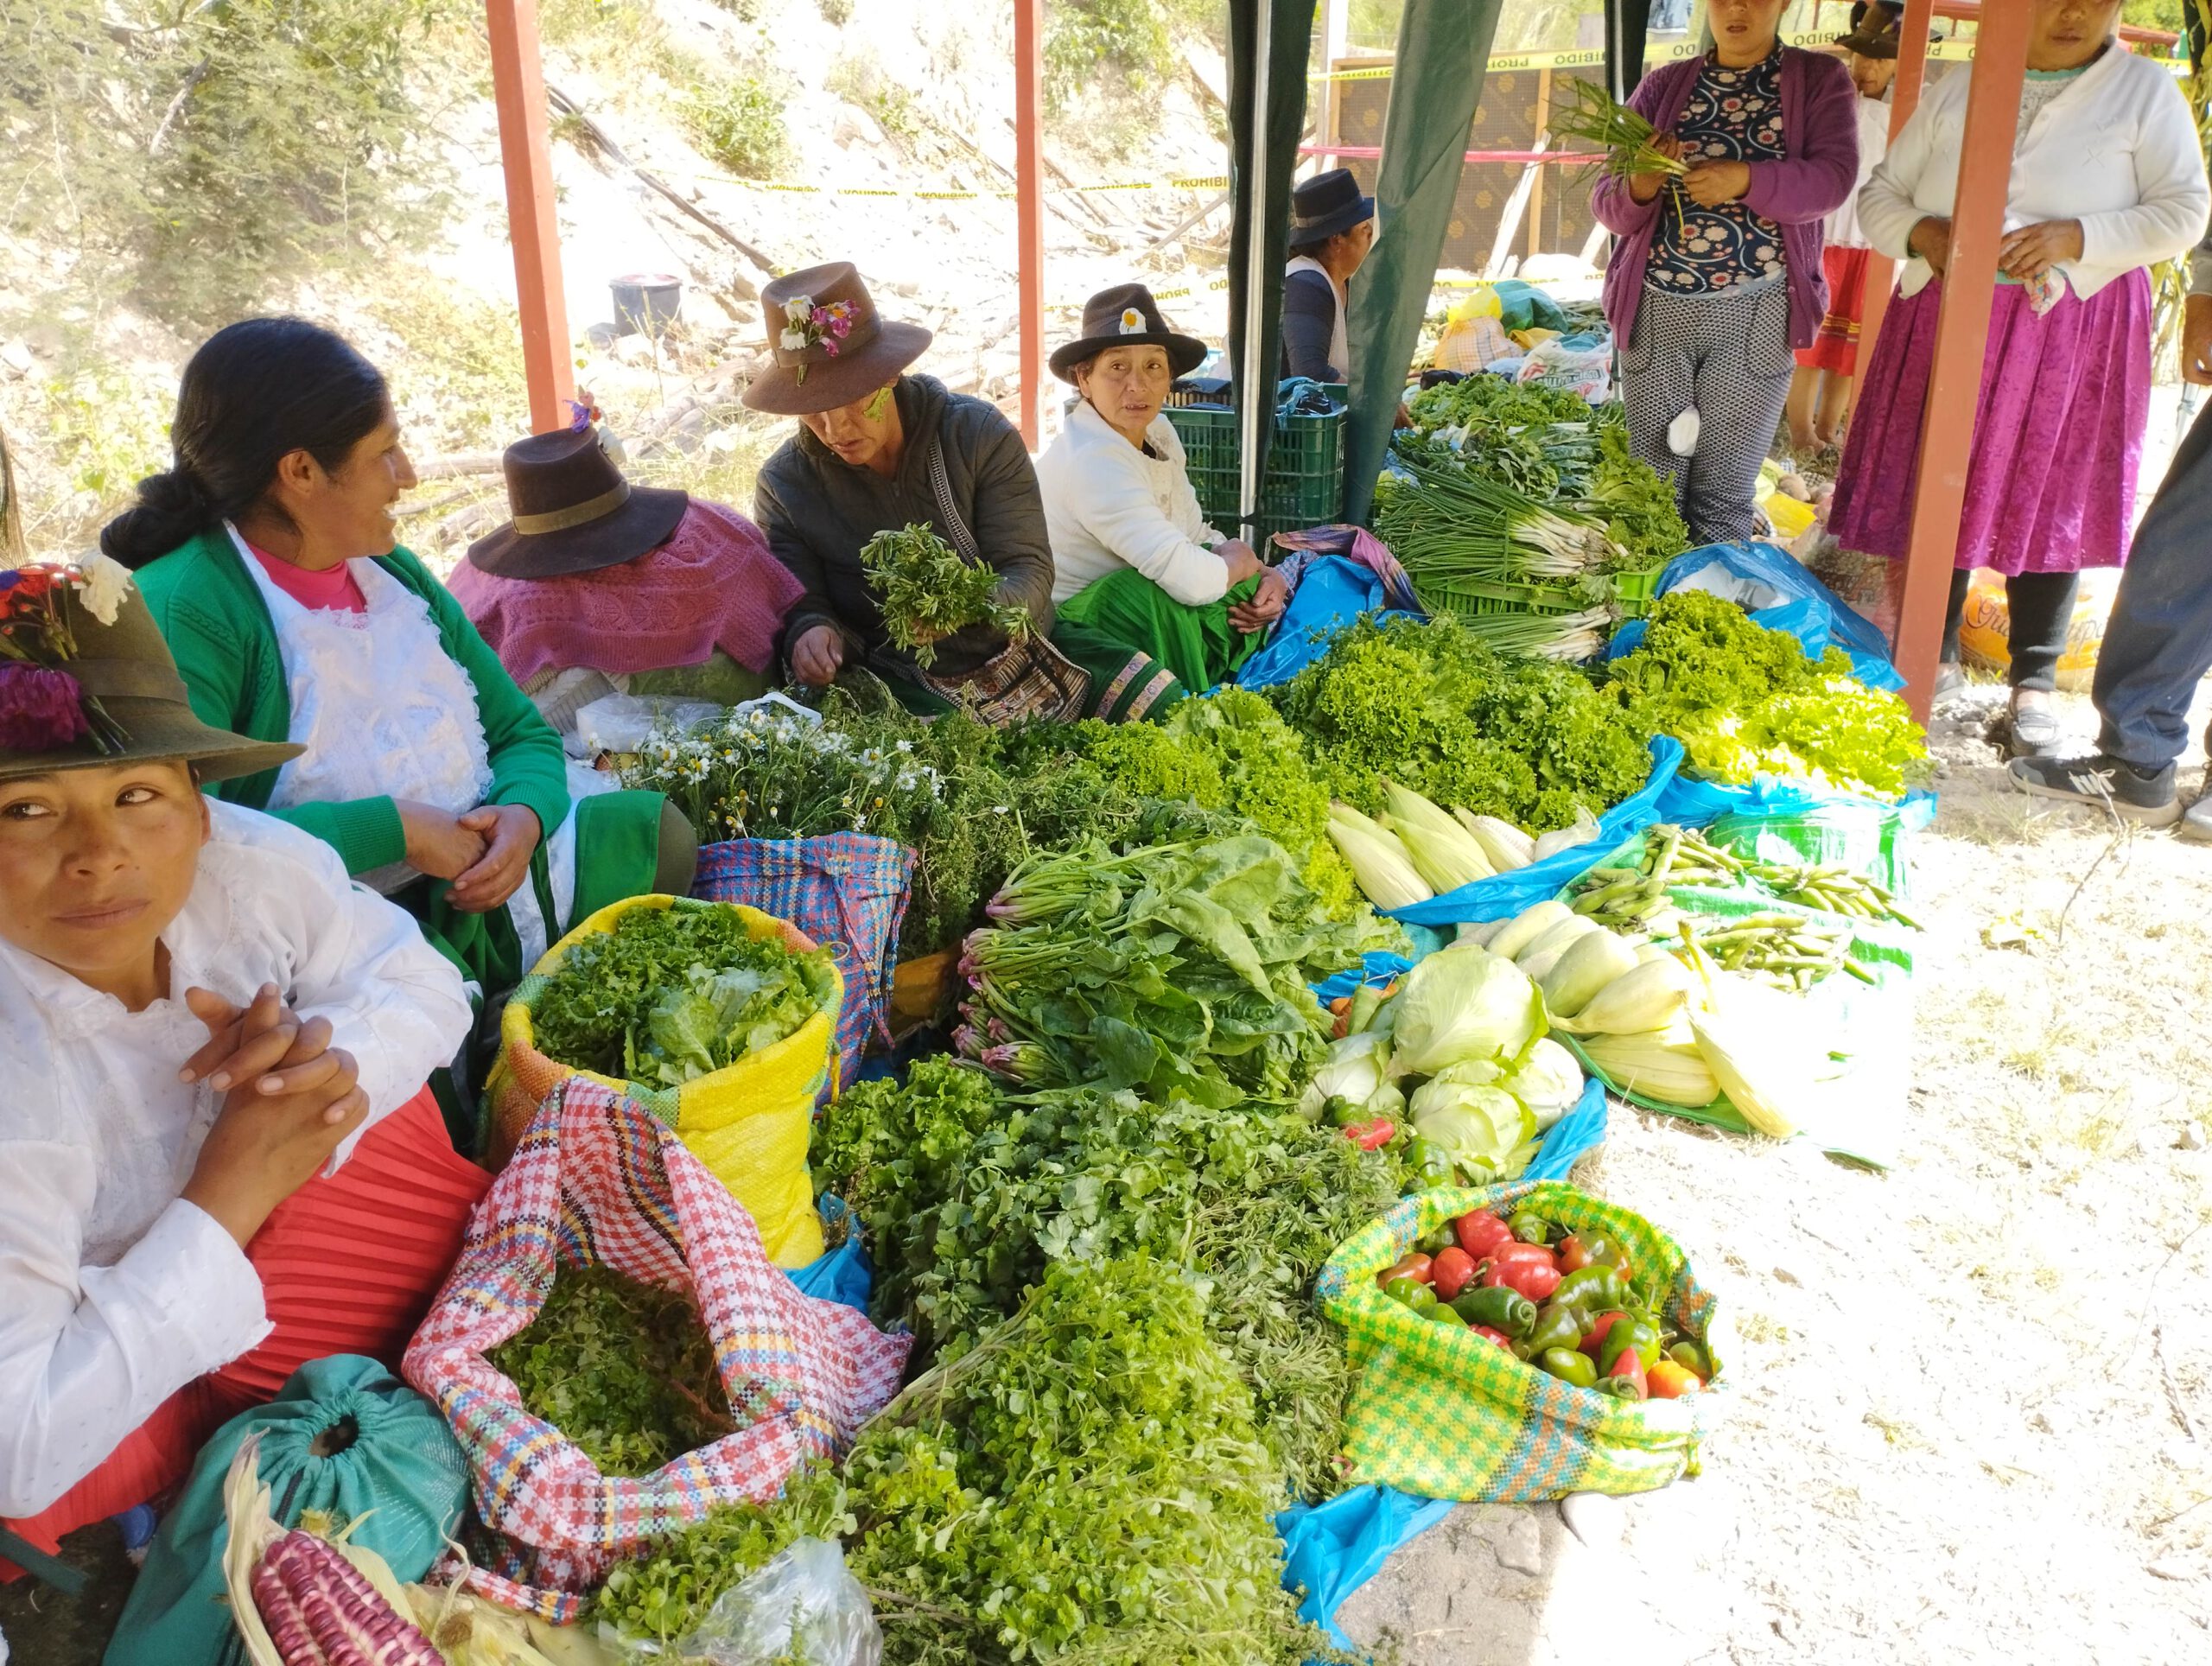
(1428, 706)
(671, 995)
(1746, 701)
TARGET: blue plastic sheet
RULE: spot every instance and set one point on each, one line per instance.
(1504, 895)
(844, 1273)
(1330, 1550)
(1779, 594)
(1693, 803)
(1330, 599)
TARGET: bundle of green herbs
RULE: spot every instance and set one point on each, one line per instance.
(927, 590)
(1590, 113)
(1745, 701)
(1429, 706)
(1175, 969)
(624, 1370)
(674, 994)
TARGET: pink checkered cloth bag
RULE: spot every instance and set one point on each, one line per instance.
(597, 1178)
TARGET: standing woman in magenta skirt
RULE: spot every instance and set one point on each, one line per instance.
(2108, 181)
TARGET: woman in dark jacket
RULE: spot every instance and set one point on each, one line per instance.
(879, 449)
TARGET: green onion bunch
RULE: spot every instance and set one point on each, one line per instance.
(1593, 114)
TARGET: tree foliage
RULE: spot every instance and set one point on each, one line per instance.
(198, 155)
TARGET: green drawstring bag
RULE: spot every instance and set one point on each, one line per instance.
(344, 1438)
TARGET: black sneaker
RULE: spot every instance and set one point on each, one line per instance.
(2101, 780)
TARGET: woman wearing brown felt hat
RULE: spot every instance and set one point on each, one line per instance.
(880, 447)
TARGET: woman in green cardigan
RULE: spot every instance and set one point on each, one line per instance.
(268, 556)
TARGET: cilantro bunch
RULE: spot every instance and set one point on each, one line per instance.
(671, 995)
(1745, 701)
(624, 1370)
(1429, 706)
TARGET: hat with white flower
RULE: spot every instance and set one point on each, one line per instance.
(1126, 316)
(86, 679)
(827, 343)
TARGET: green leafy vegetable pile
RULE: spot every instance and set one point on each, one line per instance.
(1743, 700)
(1429, 707)
(671, 995)
(1180, 968)
(927, 590)
(1087, 1484)
(624, 1370)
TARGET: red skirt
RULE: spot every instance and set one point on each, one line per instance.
(1835, 349)
(349, 1264)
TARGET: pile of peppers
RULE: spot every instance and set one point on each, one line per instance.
(1566, 1303)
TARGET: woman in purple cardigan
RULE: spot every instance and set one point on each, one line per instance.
(1715, 278)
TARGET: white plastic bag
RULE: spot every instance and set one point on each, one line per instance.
(804, 1603)
(620, 722)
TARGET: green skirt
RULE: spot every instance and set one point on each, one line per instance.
(1144, 649)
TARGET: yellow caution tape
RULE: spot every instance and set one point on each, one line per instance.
(1672, 52)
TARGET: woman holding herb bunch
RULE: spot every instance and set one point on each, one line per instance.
(2108, 181)
(267, 553)
(218, 1157)
(1715, 277)
(879, 451)
(1153, 603)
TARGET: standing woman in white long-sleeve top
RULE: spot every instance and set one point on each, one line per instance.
(2108, 181)
(219, 1158)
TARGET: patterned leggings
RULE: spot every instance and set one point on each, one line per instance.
(1728, 356)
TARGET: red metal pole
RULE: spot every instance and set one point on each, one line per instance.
(533, 229)
(1904, 99)
(2001, 58)
(1029, 204)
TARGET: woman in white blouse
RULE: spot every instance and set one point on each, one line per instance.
(1151, 601)
(2108, 181)
(218, 1157)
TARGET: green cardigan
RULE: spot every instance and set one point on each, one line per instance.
(218, 628)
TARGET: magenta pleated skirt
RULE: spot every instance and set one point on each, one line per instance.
(2057, 440)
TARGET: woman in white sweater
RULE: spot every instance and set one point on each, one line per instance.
(1151, 601)
(219, 1158)
(2108, 181)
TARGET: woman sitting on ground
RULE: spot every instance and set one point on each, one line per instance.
(878, 449)
(268, 555)
(596, 588)
(2108, 181)
(218, 1157)
(1152, 602)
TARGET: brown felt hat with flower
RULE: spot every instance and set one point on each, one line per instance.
(86, 679)
(1126, 316)
(829, 345)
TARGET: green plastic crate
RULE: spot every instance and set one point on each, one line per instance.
(1305, 481)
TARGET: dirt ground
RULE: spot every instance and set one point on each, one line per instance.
(1973, 1412)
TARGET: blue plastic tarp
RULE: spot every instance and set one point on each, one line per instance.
(1774, 587)
(1331, 595)
(844, 1273)
(1687, 802)
(1504, 895)
(1330, 1550)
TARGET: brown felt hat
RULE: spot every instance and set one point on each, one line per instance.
(1874, 31)
(121, 676)
(573, 510)
(830, 346)
(1124, 316)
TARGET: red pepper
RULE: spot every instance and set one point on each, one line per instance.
(1630, 1369)
(1604, 1323)
(1453, 1270)
(1573, 1258)
(1533, 1278)
(1413, 1265)
(1372, 1136)
(1498, 1337)
(1669, 1380)
(1481, 1233)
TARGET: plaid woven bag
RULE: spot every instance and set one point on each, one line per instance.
(599, 1180)
(847, 891)
(1440, 1412)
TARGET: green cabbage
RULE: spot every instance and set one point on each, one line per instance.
(1481, 1129)
(1464, 1003)
(1548, 1081)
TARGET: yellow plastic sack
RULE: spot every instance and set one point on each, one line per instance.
(1790, 515)
(1985, 629)
(747, 1123)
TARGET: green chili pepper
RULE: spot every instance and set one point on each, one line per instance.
(1531, 1228)
(1568, 1366)
(1620, 1388)
(1499, 1308)
(1429, 1243)
(1692, 1358)
(1430, 1164)
(1594, 1289)
(1635, 1331)
(1412, 1292)
(1556, 1327)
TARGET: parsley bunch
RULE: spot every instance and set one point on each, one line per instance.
(1746, 701)
(927, 590)
(624, 1370)
(1429, 706)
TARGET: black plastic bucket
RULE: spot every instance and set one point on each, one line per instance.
(646, 300)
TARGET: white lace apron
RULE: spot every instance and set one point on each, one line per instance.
(384, 711)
